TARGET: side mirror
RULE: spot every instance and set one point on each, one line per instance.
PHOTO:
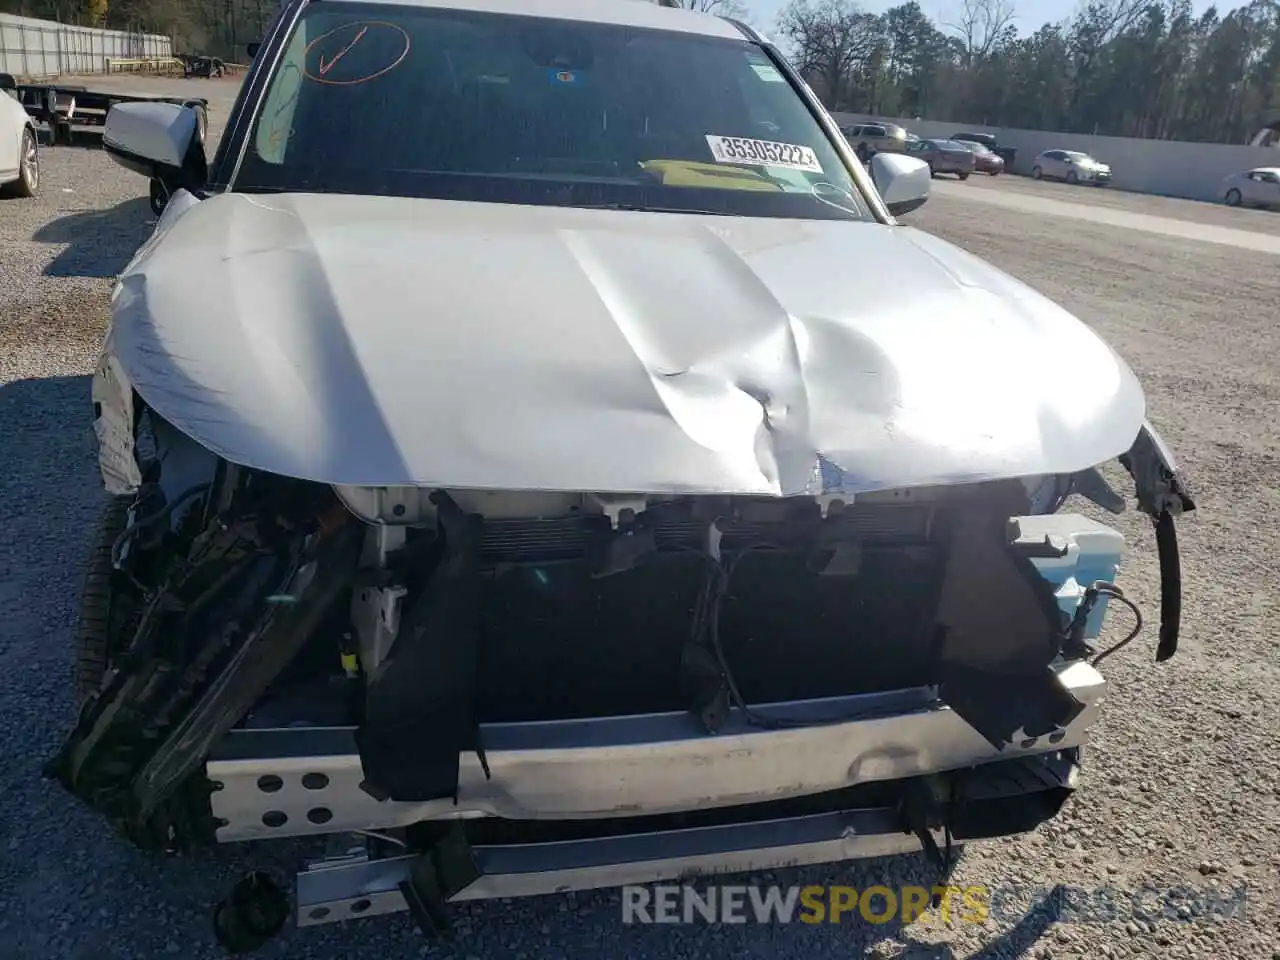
(158, 140)
(253, 48)
(903, 182)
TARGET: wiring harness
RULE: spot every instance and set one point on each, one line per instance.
(1096, 590)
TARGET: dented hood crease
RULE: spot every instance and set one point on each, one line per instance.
(389, 341)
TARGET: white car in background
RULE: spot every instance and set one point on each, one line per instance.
(1259, 187)
(1071, 166)
(19, 146)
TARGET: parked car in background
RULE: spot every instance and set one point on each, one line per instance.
(985, 160)
(1259, 187)
(988, 140)
(1071, 166)
(19, 145)
(868, 139)
(944, 156)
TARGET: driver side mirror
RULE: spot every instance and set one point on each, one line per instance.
(161, 141)
(903, 182)
(253, 48)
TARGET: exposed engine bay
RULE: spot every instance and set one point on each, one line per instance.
(419, 619)
(456, 609)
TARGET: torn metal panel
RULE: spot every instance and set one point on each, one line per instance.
(319, 572)
(1161, 486)
(221, 623)
(1163, 494)
(607, 351)
(113, 420)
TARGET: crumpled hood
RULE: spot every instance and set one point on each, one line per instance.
(387, 341)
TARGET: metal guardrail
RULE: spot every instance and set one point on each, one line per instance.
(161, 65)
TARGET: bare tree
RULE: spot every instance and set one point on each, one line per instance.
(721, 8)
(1095, 27)
(831, 42)
(980, 24)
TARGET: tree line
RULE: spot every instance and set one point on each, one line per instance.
(1133, 68)
(1129, 68)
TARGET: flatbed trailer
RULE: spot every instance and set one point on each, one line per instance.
(60, 107)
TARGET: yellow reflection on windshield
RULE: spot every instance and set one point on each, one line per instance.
(691, 173)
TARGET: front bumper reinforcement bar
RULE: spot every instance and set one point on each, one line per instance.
(1004, 799)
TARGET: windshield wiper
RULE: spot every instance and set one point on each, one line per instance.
(647, 208)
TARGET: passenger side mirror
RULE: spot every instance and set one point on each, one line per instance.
(903, 182)
(158, 140)
(253, 49)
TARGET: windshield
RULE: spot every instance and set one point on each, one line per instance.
(1073, 155)
(467, 105)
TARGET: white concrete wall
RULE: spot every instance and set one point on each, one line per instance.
(1171, 168)
(43, 48)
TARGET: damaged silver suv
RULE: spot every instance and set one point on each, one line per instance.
(507, 471)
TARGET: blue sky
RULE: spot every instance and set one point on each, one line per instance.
(1031, 14)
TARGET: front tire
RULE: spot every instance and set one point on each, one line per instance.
(1233, 197)
(963, 176)
(1037, 173)
(159, 196)
(28, 182)
(98, 636)
(1072, 177)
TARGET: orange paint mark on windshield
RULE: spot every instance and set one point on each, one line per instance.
(380, 58)
(326, 67)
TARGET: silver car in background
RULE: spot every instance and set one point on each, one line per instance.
(1071, 166)
(1259, 187)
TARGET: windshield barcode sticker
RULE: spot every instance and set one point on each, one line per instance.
(767, 73)
(763, 153)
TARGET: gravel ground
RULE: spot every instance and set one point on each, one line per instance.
(1181, 788)
(1260, 221)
